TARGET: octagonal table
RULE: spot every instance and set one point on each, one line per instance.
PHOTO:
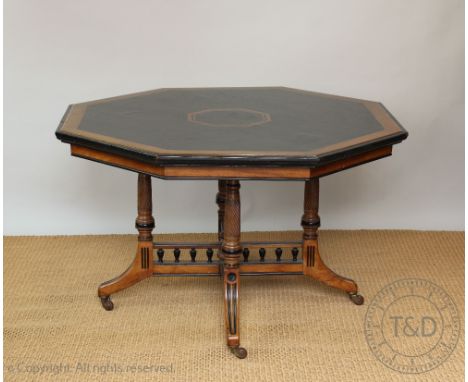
(230, 134)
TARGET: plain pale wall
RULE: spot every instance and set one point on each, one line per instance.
(407, 54)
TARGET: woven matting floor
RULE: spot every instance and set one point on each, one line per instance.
(294, 328)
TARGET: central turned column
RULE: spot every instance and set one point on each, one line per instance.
(220, 198)
(231, 251)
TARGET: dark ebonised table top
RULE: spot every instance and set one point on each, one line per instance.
(231, 126)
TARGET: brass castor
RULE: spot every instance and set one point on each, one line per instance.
(356, 298)
(107, 303)
(239, 352)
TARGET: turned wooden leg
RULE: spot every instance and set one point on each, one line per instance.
(312, 263)
(142, 266)
(231, 252)
(220, 198)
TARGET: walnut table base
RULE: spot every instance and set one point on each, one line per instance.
(234, 258)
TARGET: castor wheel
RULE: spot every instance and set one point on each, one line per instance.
(356, 298)
(239, 352)
(107, 303)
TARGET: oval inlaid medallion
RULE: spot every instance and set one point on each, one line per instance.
(229, 117)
